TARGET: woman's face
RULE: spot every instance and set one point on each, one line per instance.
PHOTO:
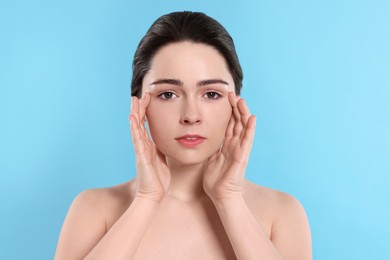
(189, 108)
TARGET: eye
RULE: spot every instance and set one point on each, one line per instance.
(212, 95)
(166, 95)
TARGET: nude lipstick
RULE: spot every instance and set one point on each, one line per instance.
(190, 141)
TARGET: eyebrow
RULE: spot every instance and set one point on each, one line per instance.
(179, 83)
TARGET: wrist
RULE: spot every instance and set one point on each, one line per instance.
(153, 198)
(231, 204)
(221, 194)
(145, 206)
(227, 198)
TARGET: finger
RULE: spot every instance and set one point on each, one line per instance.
(141, 130)
(249, 134)
(237, 117)
(229, 129)
(131, 107)
(136, 135)
(135, 107)
(233, 99)
(244, 112)
(144, 102)
(137, 112)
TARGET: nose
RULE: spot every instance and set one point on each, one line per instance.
(190, 114)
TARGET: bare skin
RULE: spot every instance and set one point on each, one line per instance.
(187, 229)
(187, 202)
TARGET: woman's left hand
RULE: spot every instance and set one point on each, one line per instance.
(223, 176)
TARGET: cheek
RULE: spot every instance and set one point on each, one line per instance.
(225, 122)
(221, 120)
(159, 122)
(227, 114)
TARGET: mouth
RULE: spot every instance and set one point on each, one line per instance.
(190, 140)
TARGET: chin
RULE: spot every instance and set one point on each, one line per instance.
(183, 156)
(188, 158)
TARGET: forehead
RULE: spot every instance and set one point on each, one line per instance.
(188, 62)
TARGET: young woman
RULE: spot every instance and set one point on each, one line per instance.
(189, 199)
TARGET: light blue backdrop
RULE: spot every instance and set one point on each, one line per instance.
(316, 76)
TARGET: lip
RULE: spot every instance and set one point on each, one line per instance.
(190, 140)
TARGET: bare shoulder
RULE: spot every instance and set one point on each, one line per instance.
(105, 200)
(89, 217)
(285, 218)
(111, 197)
(277, 202)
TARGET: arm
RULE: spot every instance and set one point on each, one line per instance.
(84, 232)
(247, 237)
(290, 234)
(291, 230)
(223, 181)
(123, 238)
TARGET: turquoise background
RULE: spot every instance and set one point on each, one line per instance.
(317, 75)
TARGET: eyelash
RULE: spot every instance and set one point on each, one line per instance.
(216, 93)
(163, 97)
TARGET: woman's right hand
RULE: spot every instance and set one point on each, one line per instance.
(153, 175)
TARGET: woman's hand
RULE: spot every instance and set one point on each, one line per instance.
(224, 172)
(153, 175)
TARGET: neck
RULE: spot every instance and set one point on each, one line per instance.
(186, 181)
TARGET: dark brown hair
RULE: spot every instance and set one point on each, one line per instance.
(184, 26)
